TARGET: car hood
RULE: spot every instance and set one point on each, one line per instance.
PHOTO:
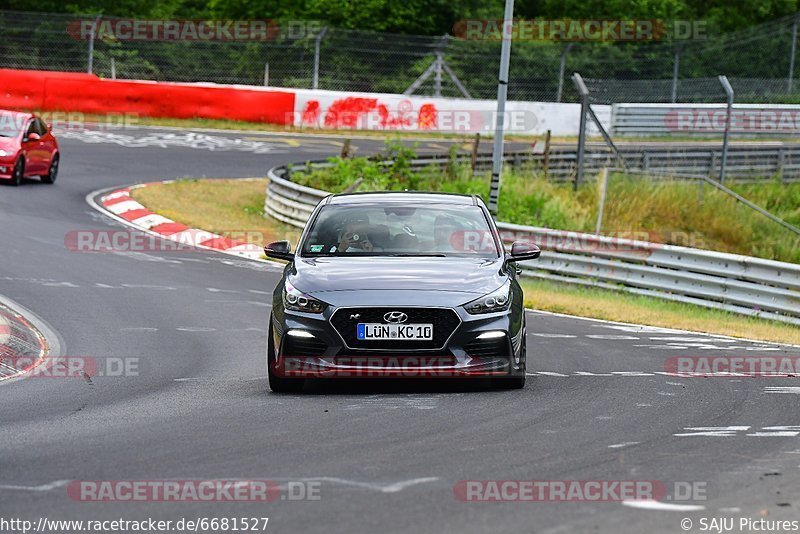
(9, 144)
(455, 275)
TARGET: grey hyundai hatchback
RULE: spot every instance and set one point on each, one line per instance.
(398, 284)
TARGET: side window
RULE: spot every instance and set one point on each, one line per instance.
(31, 128)
(41, 127)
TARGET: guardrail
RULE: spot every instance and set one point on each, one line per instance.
(741, 284)
(703, 119)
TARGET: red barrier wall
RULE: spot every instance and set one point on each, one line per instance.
(64, 91)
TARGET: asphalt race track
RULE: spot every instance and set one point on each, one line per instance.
(385, 457)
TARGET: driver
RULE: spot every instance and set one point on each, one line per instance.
(354, 238)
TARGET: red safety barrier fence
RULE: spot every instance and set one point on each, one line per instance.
(86, 93)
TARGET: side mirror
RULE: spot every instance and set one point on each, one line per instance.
(279, 250)
(524, 250)
(34, 137)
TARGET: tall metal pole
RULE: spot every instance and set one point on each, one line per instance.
(90, 67)
(318, 40)
(437, 78)
(676, 61)
(584, 92)
(502, 92)
(729, 91)
(561, 68)
(791, 56)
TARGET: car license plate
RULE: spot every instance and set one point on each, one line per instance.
(380, 332)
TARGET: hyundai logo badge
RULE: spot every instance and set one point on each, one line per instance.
(395, 317)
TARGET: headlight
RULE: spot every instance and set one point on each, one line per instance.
(3, 153)
(498, 300)
(296, 300)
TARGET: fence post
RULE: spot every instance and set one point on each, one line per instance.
(584, 92)
(437, 76)
(546, 156)
(603, 188)
(729, 91)
(561, 68)
(474, 157)
(317, 41)
(792, 55)
(90, 67)
(676, 61)
(113, 69)
(266, 74)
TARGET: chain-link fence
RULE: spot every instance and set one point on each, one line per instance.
(758, 61)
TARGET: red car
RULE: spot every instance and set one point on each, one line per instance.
(27, 148)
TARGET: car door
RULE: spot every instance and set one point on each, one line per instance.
(31, 150)
(48, 143)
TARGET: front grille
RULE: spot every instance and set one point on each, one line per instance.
(487, 348)
(294, 346)
(444, 321)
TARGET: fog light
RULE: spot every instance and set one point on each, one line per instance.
(492, 335)
(3, 169)
(299, 333)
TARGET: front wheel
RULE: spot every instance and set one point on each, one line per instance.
(279, 384)
(52, 174)
(19, 172)
(516, 381)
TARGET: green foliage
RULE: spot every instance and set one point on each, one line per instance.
(426, 17)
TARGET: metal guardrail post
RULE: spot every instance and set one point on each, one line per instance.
(790, 78)
(601, 207)
(676, 61)
(317, 42)
(584, 93)
(562, 66)
(90, 63)
(728, 91)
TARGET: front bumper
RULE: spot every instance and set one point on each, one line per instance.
(324, 353)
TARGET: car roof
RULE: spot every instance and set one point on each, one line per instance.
(410, 197)
(15, 114)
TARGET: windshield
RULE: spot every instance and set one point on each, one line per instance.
(400, 230)
(11, 124)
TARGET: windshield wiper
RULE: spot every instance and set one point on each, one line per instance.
(417, 255)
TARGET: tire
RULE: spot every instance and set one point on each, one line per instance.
(512, 382)
(516, 381)
(52, 174)
(19, 172)
(279, 384)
